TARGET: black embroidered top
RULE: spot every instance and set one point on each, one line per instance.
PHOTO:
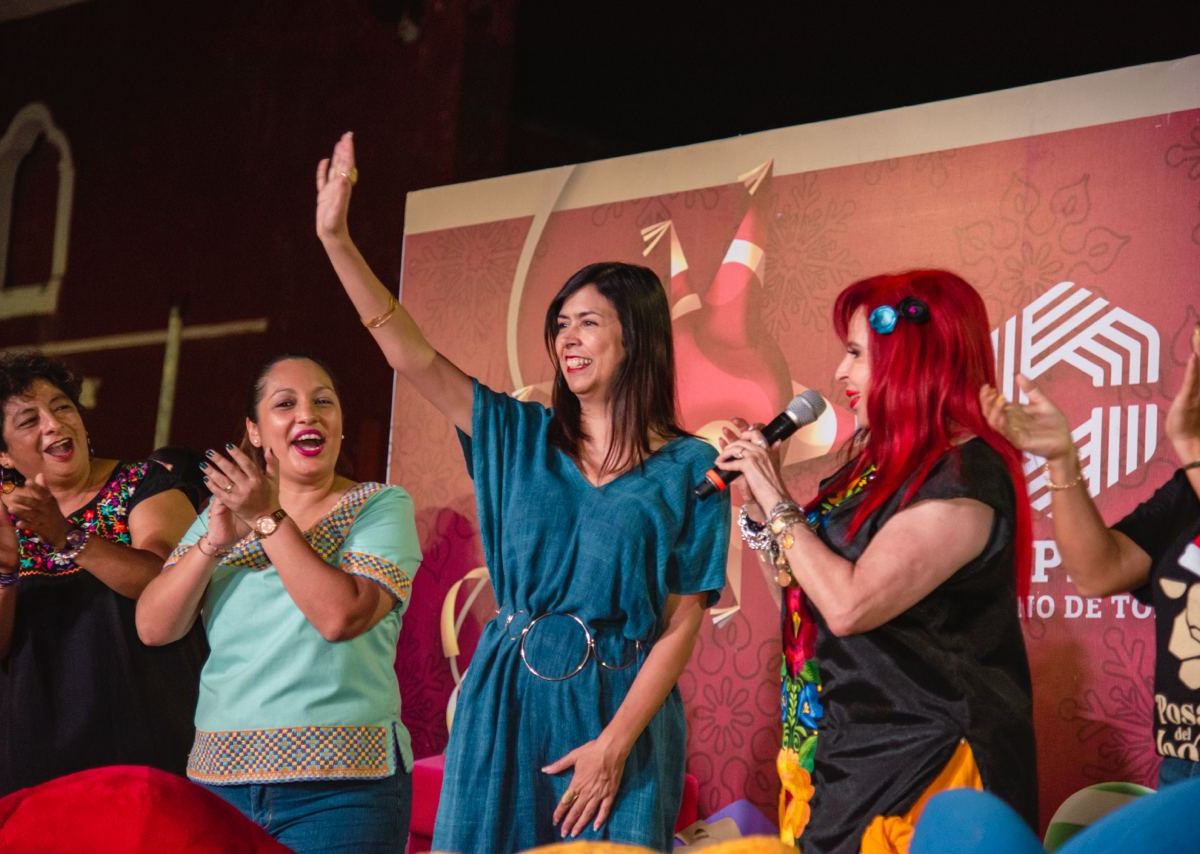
(899, 698)
(79, 689)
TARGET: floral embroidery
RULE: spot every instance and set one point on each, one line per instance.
(800, 705)
(819, 515)
(107, 517)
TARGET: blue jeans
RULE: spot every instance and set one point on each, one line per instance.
(1175, 770)
(352, 816)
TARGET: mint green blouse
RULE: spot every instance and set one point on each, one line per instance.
(278, 702)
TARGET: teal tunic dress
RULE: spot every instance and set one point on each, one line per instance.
(565, 555)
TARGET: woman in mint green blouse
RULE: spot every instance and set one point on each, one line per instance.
(301, 577)
(603, 562)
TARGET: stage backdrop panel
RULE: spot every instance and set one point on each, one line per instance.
(1072, 206)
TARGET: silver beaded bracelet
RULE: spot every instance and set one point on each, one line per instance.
(756, 535)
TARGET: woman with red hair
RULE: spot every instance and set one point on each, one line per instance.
(911, 556)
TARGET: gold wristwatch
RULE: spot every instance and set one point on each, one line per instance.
(265, 526)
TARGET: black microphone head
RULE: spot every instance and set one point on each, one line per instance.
(805, 408)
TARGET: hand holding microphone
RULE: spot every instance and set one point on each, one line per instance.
(804, 409)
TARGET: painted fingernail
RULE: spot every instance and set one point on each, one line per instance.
(209, 452)
(229, 446)
(206, 478)
(204, 466)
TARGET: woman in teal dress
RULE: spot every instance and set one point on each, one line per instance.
(569, 723)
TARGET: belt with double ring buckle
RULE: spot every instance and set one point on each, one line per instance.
(590, 651)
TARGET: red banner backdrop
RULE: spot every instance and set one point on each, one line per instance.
(1072, 207)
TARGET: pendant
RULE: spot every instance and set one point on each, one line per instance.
(783, 577)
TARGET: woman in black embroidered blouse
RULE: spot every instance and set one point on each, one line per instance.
(911, 557)
(80, 538)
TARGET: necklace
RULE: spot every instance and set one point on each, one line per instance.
(817, 516)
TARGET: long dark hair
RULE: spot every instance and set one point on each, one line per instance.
(254, 396)
(643, 393)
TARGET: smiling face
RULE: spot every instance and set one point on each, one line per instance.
(299, 419)
(854, 371)
(44, 434)
(589, 343)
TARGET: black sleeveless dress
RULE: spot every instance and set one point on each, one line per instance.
(78, 689)
(899, 698)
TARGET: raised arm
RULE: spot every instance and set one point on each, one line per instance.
(1100, 561)
(404, 346)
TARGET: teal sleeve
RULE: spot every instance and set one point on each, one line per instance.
(382, 544)
(697, 563)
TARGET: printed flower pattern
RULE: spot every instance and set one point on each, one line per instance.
(1032, 242)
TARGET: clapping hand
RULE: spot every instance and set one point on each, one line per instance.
(1038, 426)
(241, 488)
(1183, 418)
(37, 510)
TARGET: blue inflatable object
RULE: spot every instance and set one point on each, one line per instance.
(969, 822)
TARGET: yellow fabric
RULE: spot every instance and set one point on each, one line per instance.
(893, 834)
(795, 792)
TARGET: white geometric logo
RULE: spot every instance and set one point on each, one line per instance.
(1108, 345)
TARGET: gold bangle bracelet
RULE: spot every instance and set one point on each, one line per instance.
(380, 319)
(217, 552)
(1050, 484)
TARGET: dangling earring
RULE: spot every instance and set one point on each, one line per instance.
(91, 452)
(6, 485)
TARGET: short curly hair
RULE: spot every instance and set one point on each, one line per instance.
(19, 371)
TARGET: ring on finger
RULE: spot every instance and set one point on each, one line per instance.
(569, 797)
(228, 488)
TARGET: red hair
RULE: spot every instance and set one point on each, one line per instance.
(924, 392)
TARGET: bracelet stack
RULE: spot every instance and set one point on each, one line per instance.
(9, 579)
(774, 536)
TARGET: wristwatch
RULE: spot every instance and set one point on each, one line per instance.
(265, 526)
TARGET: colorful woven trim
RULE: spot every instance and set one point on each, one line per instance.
(383, 572)
(325, 537)
(289, 754)
(106, 518)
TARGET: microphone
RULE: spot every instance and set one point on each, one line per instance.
(804, 409)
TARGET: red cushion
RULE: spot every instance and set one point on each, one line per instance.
(427, 790)
(689, 808)
(126, 808)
